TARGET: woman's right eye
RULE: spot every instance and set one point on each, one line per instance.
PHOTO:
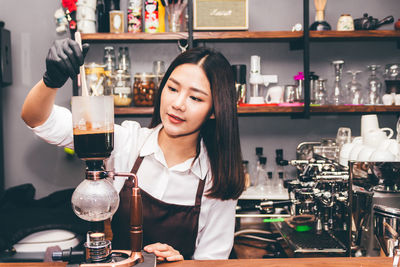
(172, 89)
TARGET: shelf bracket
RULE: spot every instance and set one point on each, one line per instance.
(296, 44)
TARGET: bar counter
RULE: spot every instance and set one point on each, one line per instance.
(292, 262)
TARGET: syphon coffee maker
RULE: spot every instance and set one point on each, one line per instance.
(95, 199)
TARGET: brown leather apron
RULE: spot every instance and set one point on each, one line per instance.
(175, 225)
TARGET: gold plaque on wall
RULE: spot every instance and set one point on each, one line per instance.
(220, 15)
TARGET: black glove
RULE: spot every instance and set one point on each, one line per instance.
(63, 61)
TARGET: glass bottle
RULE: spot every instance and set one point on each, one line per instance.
(134, 16)
(256, 166)
(320, 92)
(262, 175)
(239, 73)
(109, 60)
(122, 89)
(338, 96)
(245, 164)
(299, 81)
(124, 62)
(374, 87)
(313, 87)
(159, 71)
(102, 17)
(355, 88)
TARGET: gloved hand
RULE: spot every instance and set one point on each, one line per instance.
(63, 61)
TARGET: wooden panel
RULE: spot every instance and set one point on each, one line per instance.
(375, 34)
(133, 111)
(141, 36)
(234, 35)
(277, 109)
(292, 262)
(269, 109)
(355, 109)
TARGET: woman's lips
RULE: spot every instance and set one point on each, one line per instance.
(175, 119)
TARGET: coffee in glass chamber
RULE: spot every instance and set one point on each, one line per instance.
(93, 126)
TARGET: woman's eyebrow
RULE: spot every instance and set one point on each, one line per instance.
(191, 88)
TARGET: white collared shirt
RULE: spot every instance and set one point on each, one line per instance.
(175, 185)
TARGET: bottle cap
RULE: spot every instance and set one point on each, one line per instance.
(239, 73)
(299, 76)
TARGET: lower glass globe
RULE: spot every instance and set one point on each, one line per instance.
(95, 200)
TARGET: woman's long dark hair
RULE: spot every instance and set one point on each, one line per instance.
(220, 135)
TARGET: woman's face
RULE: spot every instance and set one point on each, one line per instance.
(186, 101)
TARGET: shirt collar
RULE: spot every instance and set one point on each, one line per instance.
(200, 167)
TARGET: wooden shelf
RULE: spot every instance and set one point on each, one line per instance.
(128, 37)
(247, 35)
(243, 35)
(146, 111)
(354, 109)
(354, 35)
(133, 111)
(269, 109)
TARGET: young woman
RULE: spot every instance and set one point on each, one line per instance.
(188, 161)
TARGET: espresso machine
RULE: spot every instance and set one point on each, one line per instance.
(376, 208)
(320, 209)
(95, 199)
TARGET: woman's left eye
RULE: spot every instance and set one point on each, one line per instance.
(196, 99)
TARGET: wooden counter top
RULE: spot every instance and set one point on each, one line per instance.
(292, 262)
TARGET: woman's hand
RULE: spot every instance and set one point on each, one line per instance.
(164, 252)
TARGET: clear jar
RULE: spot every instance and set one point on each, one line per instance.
(95, 77)
(122, 89)
(144, 89)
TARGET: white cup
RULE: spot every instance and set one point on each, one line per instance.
(387, 99)
(89, 3)
(390, 145)
(274, 95)
(85, 13)
(365, 153)
(397, 100)
(374, 138)
(355, 151)
(369, 123)
(87, 26)
(382, 155)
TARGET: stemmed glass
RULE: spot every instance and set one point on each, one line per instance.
(354, 88)
(338, 97)
(374, 86)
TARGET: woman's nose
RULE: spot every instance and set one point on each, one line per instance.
(179, 102)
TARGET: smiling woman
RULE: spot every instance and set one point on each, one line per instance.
(188, 161)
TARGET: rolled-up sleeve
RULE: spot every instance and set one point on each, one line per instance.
(57, 129)
(215, 239)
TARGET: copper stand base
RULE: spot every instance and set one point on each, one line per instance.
(131, 259)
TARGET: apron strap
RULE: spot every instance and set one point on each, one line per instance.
(136, 166)
(200, 190)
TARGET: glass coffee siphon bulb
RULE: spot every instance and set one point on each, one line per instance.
(95, 200)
